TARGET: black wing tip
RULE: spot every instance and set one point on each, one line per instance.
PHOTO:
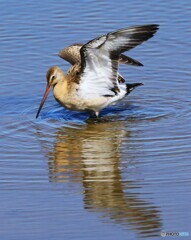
(145, 27)
(144, 32)
(149, 28)
(131, 86)
(136, 64)
(140, 64)
(152, 28)
(152, 25)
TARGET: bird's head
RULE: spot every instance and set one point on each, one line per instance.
(53, 76)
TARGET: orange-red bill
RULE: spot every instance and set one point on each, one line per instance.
(48, 88)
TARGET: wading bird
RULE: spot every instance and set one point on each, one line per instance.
(93, 82)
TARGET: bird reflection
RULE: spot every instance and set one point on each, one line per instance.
(92, 155)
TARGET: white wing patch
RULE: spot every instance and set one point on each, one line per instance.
(96, 79)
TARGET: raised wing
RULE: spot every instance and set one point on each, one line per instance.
(72, 55)
(99, 59)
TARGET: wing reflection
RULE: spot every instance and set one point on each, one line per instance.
(92, 155)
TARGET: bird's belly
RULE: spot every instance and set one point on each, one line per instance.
(81, 104)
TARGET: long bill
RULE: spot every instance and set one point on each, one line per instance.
(48, 88)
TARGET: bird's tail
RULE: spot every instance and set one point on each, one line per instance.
(131, 86)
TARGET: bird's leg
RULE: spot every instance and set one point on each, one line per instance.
(97, 114)
(94, 115)
(93, 118)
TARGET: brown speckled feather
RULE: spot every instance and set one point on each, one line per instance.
(72, 55)
(73, 74)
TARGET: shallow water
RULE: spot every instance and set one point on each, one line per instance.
(126, 176)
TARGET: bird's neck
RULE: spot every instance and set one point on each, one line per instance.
(61, 89)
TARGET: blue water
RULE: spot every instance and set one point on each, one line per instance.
(124, 177)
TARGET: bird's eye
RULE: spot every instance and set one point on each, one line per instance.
(53, 77)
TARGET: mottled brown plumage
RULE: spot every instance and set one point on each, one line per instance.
(72, 55)
(74, 73)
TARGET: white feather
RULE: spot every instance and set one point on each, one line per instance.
(96, 80)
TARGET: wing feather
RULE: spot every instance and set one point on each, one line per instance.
(100, 57)
(71, 54)
(123, 59)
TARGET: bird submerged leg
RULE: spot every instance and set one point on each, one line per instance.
(97, 114)
(131, 86)
(94, 115)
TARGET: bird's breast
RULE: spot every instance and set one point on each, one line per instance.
(73, 101)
